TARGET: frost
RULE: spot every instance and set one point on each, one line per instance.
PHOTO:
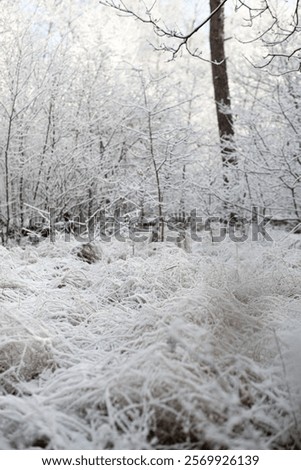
(25, 349)
(151, 347)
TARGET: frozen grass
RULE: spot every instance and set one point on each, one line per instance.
(151, 347)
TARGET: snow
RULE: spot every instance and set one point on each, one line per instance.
(151, 346)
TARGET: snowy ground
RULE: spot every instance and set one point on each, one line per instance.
(151, 347)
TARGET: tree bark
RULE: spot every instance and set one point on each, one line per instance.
(221, 85)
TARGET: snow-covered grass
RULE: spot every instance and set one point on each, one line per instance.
(151, 347)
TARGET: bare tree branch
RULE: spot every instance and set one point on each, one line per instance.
(164, 31)
(276, 37)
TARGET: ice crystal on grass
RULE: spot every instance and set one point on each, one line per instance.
(151, 347)
(25, 349)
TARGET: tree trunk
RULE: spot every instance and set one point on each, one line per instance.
(221, 85)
